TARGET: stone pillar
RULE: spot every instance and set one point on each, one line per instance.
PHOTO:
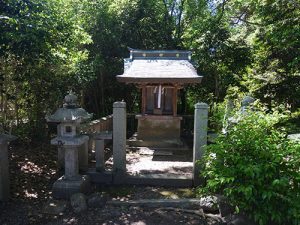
(83, 155)
(4, 172)
(60, 157)
(119, 137)
(72, 182)
(200, 138)
(99, 154)
(60, 151)
(71, 162)
(91, 144)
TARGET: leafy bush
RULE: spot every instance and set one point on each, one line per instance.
(292, 123)
(257, 169)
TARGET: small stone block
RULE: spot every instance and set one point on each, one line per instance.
(97, 200)
(201, 105)
(55, 207)
(65, 188)
(104, 177)
(119, 177)
(209, 203)
(119, 105)
(78, 202)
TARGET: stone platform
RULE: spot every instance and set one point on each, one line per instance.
(157, 143)
(65, 188)
(149, 166)
(158, 127)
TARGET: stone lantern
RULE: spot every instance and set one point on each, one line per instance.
(73, 145)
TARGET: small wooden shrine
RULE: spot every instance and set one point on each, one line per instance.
(160, 74)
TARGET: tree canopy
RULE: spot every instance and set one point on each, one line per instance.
(50, 46)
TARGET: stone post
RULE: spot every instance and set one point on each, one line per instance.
(200, 138)
(119, 138)
(72, 182)
(60, 157)
(99, 154)
(4, 169)
(83, 155)
(4, 172)
(60, 151)
(91, 144)
(71, 162)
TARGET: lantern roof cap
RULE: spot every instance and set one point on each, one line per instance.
(70, 112)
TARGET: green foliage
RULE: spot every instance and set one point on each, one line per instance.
(272, 30)
(41, 58)
(222, 111)
(257, 169)
(216, 120)
(291, 124)
(221, 56)
(50, 46)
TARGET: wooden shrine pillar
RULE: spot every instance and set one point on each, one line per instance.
(175, 100)
(143, 99)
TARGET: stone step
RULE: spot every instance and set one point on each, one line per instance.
(162, 153)
(155, 203)
(162, 180)
(143, 150)
(149, 151)
(103, 177)
(156, 143)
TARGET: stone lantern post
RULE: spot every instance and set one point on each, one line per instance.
(74, 146)
(4, 170)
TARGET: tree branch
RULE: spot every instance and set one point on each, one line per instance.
(239, 18)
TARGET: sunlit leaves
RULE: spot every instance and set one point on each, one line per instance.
(254, 165)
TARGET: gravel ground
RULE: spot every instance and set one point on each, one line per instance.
(144, 161)
(22, 214)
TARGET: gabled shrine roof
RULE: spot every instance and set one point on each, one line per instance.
(159, 66)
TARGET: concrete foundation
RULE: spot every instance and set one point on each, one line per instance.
(64, 188)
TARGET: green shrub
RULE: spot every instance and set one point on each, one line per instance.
(257, 169)
(292, 123)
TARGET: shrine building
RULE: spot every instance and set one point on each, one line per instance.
(159, 74)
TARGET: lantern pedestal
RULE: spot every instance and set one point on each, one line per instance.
(71, 182)
(64, 188)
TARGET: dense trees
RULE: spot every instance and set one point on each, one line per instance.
(41, 56)
(50, 46)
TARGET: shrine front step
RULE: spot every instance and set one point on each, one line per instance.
(159, 151)
(161, 180)
(161, 143)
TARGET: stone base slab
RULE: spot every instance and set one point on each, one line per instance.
(158, 127)
(65, 188)
(157, 143)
